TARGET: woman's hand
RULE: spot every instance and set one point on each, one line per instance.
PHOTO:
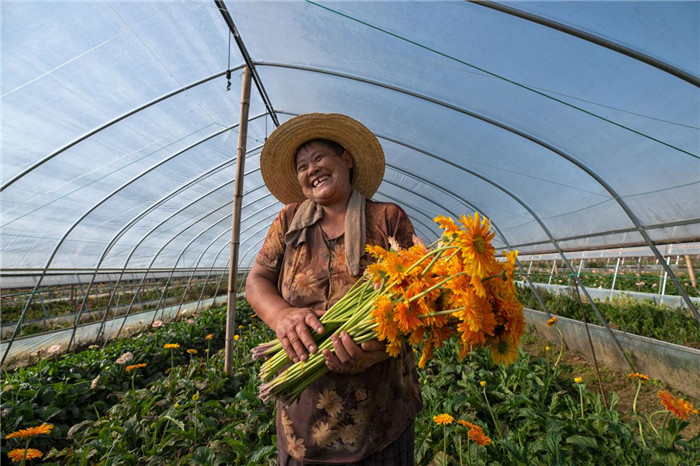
(351, 358)
(293, 331)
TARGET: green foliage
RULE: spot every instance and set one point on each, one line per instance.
(196, 414)
(537, 408)
(639, 317)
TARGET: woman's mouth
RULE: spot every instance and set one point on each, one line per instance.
(319, 180)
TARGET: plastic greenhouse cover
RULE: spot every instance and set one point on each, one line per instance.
(119, 134)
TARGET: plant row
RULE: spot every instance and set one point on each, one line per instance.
(642, 318)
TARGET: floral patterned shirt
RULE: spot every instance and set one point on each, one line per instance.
(340, 418)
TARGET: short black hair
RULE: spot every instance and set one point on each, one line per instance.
(334, 146)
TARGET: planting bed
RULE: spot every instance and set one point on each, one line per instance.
(177, 407)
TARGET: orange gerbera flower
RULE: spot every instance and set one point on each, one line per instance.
(376, 252)
(476, 246)
(467, 424)
(678, 406)
(396, 266)
(552, 322)
(637, 375)
(511, 257)
(478, 437)
(447, 224)
(20, 454)
(135, 366)
(504, 351)
(31, 431)
(406, 317)
(383, 314)
(394, 348)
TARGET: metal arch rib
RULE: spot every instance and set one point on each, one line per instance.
(246, 56)
(635, 221)
(227, 216)
(110, 123)
(90, 210)
(587, 36)
(131, 223)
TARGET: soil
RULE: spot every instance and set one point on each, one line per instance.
(615, 381)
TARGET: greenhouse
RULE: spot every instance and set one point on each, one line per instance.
(134, 206)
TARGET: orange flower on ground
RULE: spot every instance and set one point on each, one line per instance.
(637, 375)
(478, 437)
(135, 366)
(31, 431)
(192, 351)
(467, 424)
(552, 322)
(209, 336)
(443, 419)
(171, 346)
(678, 406)
(18, 454)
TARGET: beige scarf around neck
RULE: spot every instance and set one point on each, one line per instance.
(309, 213)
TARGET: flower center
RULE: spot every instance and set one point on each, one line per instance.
(479, 244)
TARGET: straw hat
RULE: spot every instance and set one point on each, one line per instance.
(277, 157)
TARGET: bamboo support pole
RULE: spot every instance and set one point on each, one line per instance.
(691, 272)
(236, 221)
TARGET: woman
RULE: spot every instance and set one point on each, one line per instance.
(325, 167)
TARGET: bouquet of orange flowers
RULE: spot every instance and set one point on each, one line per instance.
(420, 296)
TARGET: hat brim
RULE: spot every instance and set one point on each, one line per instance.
(277, 157)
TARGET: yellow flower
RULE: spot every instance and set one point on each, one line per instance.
(443, 419)
(547, 348)
(195, 397)
(177, 405)
(637, 375)
(552, 322)
(18, 454)
(482, 383)
(236, 337)
(171, 346)
(209, 336)
(31, 431)
(192, 351)
(135, 366)
(240, 326)
(578, 379)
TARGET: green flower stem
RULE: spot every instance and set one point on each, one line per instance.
(498, 427)
(459, 446)
(580, 393)
(441, 313)
(561, 346)
(469, 450)
(634, 410)
(444, 440)
(650, 418)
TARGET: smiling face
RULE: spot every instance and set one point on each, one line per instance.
(323, 175)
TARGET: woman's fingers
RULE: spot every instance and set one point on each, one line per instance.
(294, 332)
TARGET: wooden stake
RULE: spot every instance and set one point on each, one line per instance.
(691, 272)
(236, 223)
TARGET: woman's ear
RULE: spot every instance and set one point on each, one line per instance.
(347, 158)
